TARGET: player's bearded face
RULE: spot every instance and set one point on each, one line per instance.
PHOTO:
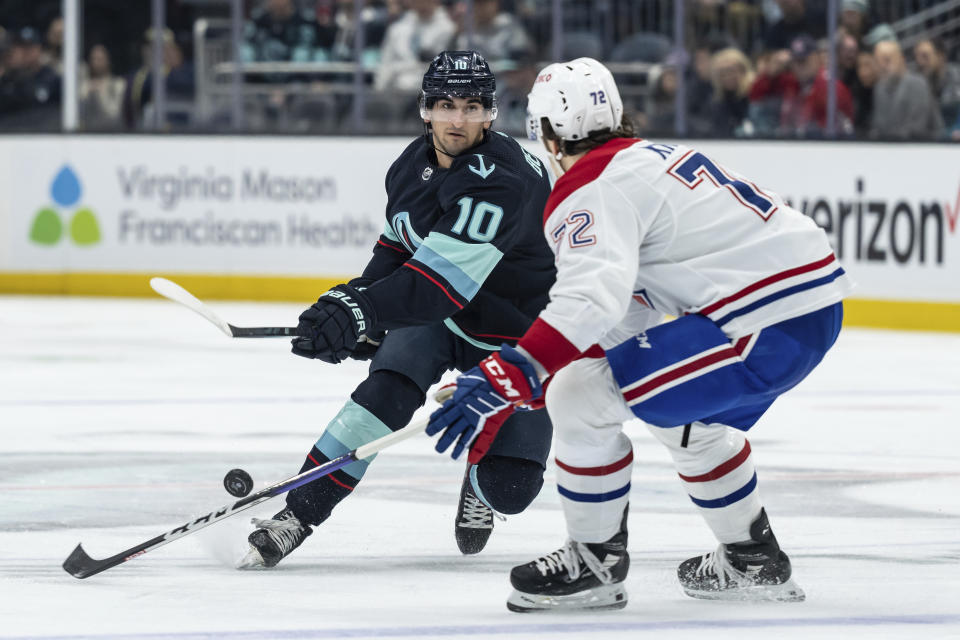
(458, 123)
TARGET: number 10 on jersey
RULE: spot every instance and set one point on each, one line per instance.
(484, 219)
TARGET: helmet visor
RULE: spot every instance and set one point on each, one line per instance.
(457, 110)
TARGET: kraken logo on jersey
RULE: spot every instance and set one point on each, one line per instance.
(427, 173)
(404, 229)
(483, 171)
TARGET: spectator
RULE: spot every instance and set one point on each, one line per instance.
(4, 50)
(29, 88)
(732, 79)
(854, 17)
(903, 106)
(512, 95)
(699, 91)
(880, 33)
(54, 45)
(805, 112)
(497, 35)
(942, 77)
(100, 92)
(848, 48)
(798, 19)
(774, 84)
(178, 80)
(662, 106)
(277, 32)
(867, 75)
(373, 17)
(412, 41)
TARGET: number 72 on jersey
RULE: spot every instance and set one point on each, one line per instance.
(691, 168)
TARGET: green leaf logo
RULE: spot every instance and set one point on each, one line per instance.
(46, 228)
(84, 228)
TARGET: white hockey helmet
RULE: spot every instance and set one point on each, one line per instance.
(576, 98)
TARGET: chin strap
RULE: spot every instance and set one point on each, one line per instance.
(428, 137)
(555, 165)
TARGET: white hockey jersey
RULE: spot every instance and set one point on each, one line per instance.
(637, 225)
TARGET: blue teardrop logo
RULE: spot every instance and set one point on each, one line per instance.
(66, 187)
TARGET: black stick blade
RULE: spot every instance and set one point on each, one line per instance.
(79, 564)
(261, 332)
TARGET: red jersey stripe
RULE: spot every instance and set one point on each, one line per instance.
(427, 276)
(586, 170)
(625, 461)
(390, 246)
(679, 372)
(723, 469)
(783, 275)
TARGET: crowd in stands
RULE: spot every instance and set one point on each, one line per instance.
(31, 72)
(768, 81)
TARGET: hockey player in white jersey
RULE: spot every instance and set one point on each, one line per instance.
(641, 229)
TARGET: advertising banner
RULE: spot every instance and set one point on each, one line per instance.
(291, 207)
(194, 205)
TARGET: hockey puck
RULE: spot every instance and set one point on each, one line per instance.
(238, 483)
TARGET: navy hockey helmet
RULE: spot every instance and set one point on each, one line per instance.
(459, 74)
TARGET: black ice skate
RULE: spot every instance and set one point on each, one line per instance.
(576, 576)
(273, 540)
(752, 570)
(474, 522)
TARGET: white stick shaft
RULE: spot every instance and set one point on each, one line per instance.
(173, 291)
(367, 450)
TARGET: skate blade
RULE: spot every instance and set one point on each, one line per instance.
(786, 592)
(252, 561)
(611, 596)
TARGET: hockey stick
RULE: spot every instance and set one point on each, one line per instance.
(173, 291)
(80, 565)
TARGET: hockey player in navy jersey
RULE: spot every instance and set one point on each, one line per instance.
(460, 268)
(639, 229)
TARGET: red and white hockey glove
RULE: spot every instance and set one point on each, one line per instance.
(486, 396)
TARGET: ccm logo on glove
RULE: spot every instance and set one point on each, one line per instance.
(495, 373)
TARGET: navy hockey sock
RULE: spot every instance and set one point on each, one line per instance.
(383, 402)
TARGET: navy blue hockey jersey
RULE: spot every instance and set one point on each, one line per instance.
(463, 245)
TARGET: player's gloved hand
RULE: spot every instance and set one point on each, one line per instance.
(367, 345)
(369, 342)
(329, 329)
(486, 396)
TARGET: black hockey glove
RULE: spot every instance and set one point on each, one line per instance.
(367, 345)
(329, 329)
(369, 342)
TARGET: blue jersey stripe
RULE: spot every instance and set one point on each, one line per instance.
(727, 500)
(773, 297)
(594, 497)
(464, 265)
(461, 282)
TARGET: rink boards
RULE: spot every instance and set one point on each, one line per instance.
(281, 218)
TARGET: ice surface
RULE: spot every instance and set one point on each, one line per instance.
(119, 419)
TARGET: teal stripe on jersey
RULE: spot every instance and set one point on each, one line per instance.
(353, 427)
(465, 266)
(452, 326)
(390, 233)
